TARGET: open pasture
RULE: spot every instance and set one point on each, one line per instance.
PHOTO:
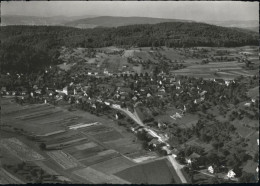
(20, 150)
(124, 145)
(226, 70)
(63, 159)
(113, 165)
(97, 177)
(156, 172)
(108, 136)
(93, 130)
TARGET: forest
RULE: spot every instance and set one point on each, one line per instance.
(30, 48)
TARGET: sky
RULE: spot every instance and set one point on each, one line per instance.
(193, 10)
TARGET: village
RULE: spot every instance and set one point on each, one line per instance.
(125, 97)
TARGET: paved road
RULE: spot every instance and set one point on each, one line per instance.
(171, 158)
(177, 168)
(130, 114)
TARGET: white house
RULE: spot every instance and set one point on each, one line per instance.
(210, 169)
(231, 174)
(247, 104)
(227, 82)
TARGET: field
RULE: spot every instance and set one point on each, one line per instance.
(225, 70)
(113, 165)
(99, 157)
(85, 153)
(20, 150)
(93, 130)
(97, 177)
(157, 172)
(124, 145)
(64, 160)
(254, 92)
(108, 136)
(38, 119)
(7, 178)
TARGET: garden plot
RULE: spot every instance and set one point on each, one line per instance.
(84, 154)
(20, 150)
(97, 177)
(66, 161)
(114, 165)
(65, 139)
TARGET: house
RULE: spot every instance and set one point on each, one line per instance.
(194, 155)
(247, 104)
(227, 82)
(167, 150)
(231, 174)
(211, 170)
(154, 143)
(219, 81)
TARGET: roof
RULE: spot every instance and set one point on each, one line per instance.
(194, 155)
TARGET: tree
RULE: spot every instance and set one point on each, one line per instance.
(247, 178)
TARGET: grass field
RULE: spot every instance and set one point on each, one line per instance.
(124, 145)
(108, 136)
(225, 70)
(93, 130)
(97, 177)
(157, 172)
(113, 165)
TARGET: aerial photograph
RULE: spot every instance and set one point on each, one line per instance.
(129, 92)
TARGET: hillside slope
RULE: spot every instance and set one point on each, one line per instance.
(110, 21)
(29, 48)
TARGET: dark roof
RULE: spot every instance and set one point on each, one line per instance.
(194, 155)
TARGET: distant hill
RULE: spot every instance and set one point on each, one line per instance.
(37, 21)
(110, 21)
(30, 48)
(252, 25)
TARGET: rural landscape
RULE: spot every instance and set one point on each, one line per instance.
(128, 100)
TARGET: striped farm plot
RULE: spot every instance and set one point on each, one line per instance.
(88, 150)
(19, 149)
(7, 178)
(97, 177)
(99, 157)
(66, 161)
